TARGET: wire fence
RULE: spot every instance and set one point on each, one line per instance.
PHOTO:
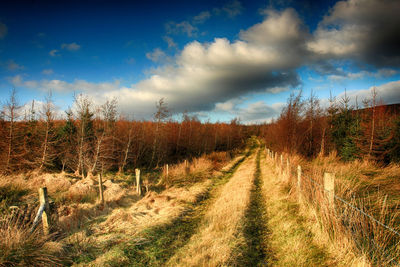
(347, 203)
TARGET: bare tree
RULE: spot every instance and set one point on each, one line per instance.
(12, 114)
(49, 117)
(106, 118)
(83, 109)
(373, 102)
(159, 116)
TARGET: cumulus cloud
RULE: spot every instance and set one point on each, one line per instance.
(389, 93)
(381, 73)
(38, 108)
(71, 47)
(360, 29)
(63, 86)
(3, 30)
(204, 74)
(257, 112)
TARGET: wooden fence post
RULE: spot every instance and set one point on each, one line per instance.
(287, 169)
(187, 167)
(281, 166)
(44, 200)
(101, 189)
(138, 182)
(166, 170)
(329, 186)
(299, 181)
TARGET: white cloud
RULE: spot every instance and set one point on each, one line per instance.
(256, 112)
(54, 53)
(157, 55)
(389, 93)
(183, 27)
(360, 29)
(210, 76)
(202, 17)
(201, 75)
(38, 108)
(231, 9)
(381, 73)
(170, 42)
(47, 71)
(71, 47)
(3, 30)
(63, 86)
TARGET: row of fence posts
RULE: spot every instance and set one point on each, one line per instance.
(44, 207)
(328, 179)
(43, 212)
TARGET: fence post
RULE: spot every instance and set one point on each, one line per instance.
(44, 200)
(138, 182)
(299, 181)
(281, 166)
(287, 168)
(329, 186)
(101, 189)
(187, 168)
(166, 170)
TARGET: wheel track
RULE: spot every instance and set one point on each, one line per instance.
(161, 242)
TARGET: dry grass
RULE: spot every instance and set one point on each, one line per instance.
(123, 225)
(366, 186)
(291, 240)
(218, 235)
(196, 171)
(124, 214)
(20, 247)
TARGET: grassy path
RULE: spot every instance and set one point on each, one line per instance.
(218, 234)
(292, 242)
(159, 243)
(256, 251)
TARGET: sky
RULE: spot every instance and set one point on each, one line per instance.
(217, 60)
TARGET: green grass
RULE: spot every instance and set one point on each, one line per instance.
(256, 251)
(291, 239)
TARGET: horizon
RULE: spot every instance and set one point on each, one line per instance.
(217, 60)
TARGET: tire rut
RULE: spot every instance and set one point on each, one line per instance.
(160, 243)
(255, 251)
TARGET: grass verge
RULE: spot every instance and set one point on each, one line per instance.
(291, 239)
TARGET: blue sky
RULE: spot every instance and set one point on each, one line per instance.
(214, 59)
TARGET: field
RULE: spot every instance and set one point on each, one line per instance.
(242, 211)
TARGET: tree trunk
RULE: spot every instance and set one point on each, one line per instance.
(45, 146)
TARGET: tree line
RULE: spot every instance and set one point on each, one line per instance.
(96, 138)
(366, 130)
